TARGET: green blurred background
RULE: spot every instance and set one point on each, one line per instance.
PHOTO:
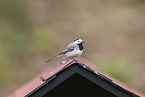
(31, 31)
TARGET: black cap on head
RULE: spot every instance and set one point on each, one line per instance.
(76, 40)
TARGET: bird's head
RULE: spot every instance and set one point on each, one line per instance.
(78, 41)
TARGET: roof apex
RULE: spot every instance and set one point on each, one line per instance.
(60, 66)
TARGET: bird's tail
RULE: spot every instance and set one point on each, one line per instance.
(53, 58)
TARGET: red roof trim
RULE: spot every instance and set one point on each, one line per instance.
(28, 87)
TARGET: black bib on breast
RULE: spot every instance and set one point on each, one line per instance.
(80, 46)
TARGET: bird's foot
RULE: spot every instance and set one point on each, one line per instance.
(73, 59)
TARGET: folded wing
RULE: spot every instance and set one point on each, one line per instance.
(69, 48)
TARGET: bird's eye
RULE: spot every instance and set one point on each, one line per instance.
(78, 41)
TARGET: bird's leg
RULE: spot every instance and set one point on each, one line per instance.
(74, 59)
(71, 58)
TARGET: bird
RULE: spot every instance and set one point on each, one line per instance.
(74, 49)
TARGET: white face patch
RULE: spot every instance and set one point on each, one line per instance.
(78, 41)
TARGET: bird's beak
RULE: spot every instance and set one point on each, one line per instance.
(83, 41)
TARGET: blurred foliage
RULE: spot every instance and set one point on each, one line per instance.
(13, 13)
(13, 41)
(137, 5)
(6, 65)
(14, 34)
(117, 69)
(43, 39)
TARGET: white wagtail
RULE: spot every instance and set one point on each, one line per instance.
(74, 49)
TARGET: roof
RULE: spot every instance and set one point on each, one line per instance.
(55, 69)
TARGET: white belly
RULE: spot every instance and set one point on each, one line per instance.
(74, 53)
